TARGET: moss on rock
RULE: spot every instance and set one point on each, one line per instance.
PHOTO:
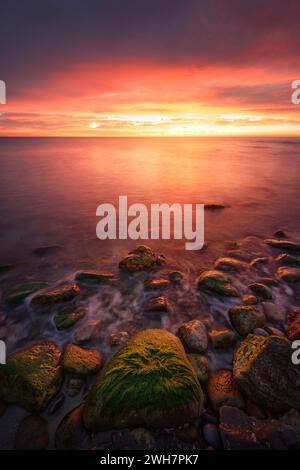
(68, 316)
(81, 361)
(217, 282)
(149, 381)
(55, 296)
(15, 295)
(140, 259)
(94, 277)
(31, 376)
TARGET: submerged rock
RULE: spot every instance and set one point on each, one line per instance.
(47, 250)
(200, 365)
(283, 245)
(175, 276)
(140, 259)
(71, 434)
(157, 304)
(287, 260)
(261, 290)
(273, 313)
(230, 264)
(17, 294)
(263, 369)
(119, 338)
(222, 390)
(241, 432)
(81, 361)
(280, 234)
(149, 381)
(157, 284)
(94, 277)
(32, 434)
(68, 316)
(218, 283)
(222, 338)
(288, 274)
(55, 296)
(293, 331)
(31, 376)
(194, 335)
(87, 331)
(245, 318)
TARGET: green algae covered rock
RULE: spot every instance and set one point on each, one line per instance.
(14, 296)
(140, 259)
(54, 296)
(68, 316)
(149, 381)
(218, 283)
(31, 376)
(263, 369)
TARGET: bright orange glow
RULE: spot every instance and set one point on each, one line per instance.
(155, 100)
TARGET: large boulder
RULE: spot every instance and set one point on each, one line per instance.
(218, 283)
(263, 369)
(31, 376)
(149, 381)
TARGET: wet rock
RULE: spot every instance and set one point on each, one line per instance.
(292, 418)
(280, 234)
(283, 245)
(94, 277)
(175, 276)
(211, 435)
(222, 338)
(218, 283)
(261, 290)
(32, 434)
(47, 250)
(31, 376)
(157, 304)
(259, 262)
(140, 259)
(55, 296)
(263, 369)
(71, 434)
(200, 366)
(214, 207)
(274, 331)
(156, 284)
(268, 281)
(222, 390)
(194, 335)
(151, 364)
(56, 403)
(5, 268)
(17, 294)
(293, 331)
(245, 318)
(273, 313)
(68, 316)
(288, 274)
(119, 338)
(87, 331)
(287, 260)
(74, 385)
(249, 299)
(188, 434)
(241, 432)
(81, 361)
(230, 264)
(260, 332)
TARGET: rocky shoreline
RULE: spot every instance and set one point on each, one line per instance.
(224, 380)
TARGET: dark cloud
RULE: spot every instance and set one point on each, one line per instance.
(39, 37)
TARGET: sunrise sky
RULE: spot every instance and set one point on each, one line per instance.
(149, 67)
